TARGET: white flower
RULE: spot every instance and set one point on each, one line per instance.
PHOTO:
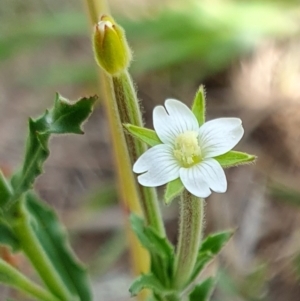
(187, 150)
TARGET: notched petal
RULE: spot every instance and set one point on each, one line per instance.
(218, 136)
(173, 120)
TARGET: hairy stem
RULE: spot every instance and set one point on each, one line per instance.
(130, 112)
(190, 233)
(129, 194)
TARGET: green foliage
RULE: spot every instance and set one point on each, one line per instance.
(173, 190)
(156, 245)
(202, 291)
(146, 281)
(199, 105)
(5, 190)
(146, 135)
(209, 248)
(160, 251)
(152, 241)
(53, 237)
(29, 225)
(65, 117)
(7, 236)
(234, 158)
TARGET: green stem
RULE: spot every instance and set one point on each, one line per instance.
(35, 252)
(12, 277)
(190, 233)
(130, 112)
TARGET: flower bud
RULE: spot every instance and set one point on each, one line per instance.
(110, 46)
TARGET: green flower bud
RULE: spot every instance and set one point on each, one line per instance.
(110, 46)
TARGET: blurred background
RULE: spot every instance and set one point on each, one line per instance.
(247, 53)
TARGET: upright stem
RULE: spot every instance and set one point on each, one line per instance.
(129, 193)
(95, 8)
(190, 233)
(12, 277)
(35, 252)
(130, 112)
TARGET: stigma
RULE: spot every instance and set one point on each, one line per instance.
(187, 149)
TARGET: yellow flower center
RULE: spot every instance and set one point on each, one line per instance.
(187, 150)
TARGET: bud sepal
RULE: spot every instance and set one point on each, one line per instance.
(111, 49)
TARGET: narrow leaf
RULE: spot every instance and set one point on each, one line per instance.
(210, 247)
(146, 135)
(234, 158)
(7, 237)
(157, 246)
(203, 291)
(148, 281)
(150, 239)
(173, 189)
(53, 238)
(199, 105)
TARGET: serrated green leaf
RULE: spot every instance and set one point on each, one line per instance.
(199, 105)
(234, 158)
(7, 237)
(173, 189)
(146, 135)
(203, 291)
(148, 281)
(53, 238)
(209, 248)
(65, 117)
(35, 156)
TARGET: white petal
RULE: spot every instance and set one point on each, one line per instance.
(218, 136)
(199, 178)
(159, 166)
(193, 183)
(174, 120)
(213, 174)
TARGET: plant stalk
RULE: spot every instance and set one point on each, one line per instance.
(190, 234)
(128, 190)
(130, 112)
(35, 252)
(12, 277)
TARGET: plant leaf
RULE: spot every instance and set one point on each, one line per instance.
(146, 135)
(202, 291)
(5, 190)
(209, 248)
(173, 189)
(65, 117)
(234, 158)
(199, 105)
(53, 238)
(7, 237)
(146, 281)
(156, 245)
(150, 239)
